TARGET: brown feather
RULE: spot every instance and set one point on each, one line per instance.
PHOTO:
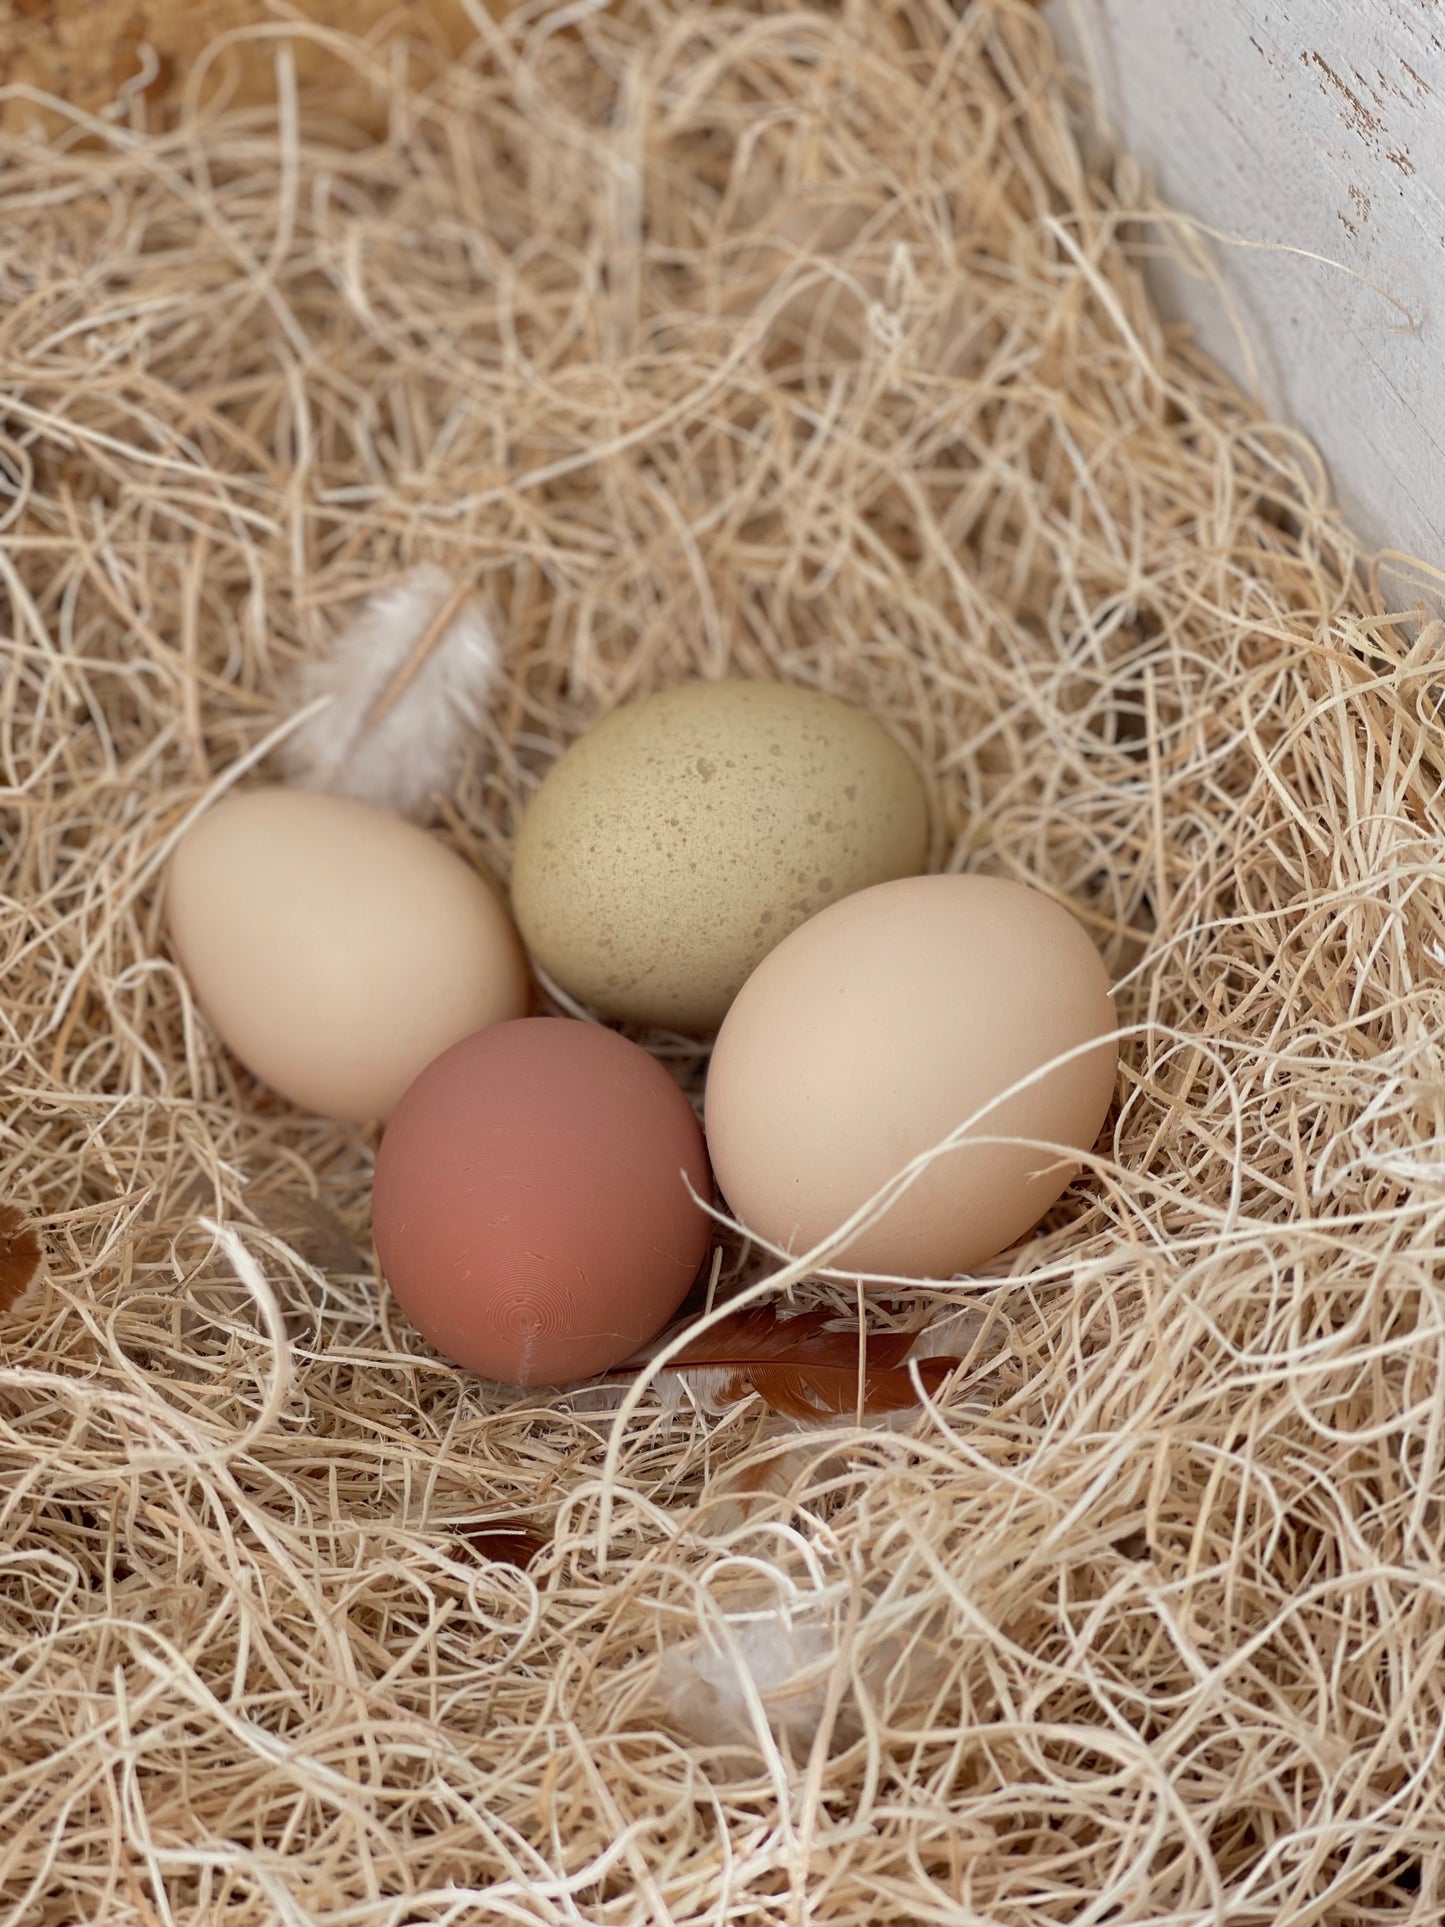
(500, 1542)
(759, 1336)
(807, 1366)
(826, 1391)
(19, 1254)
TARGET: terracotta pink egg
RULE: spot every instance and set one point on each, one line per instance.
(534, 1204)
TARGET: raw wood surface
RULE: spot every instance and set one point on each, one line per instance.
(1318, 125)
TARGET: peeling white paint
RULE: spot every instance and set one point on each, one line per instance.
(1318, 125)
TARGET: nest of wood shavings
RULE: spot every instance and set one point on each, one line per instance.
(779, 341)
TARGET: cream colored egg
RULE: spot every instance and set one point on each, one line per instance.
(913, 1011)
(676, 843)
(335, 948)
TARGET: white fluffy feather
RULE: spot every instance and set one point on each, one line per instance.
(401, 759)
(703, 1688)
(778, 1653)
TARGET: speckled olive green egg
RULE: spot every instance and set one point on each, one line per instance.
(676, 843)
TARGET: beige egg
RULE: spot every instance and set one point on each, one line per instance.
(878, 1030)
(335, 948)
(676, 843)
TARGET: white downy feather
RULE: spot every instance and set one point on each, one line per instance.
(703, 1688)
(401, 759)
(776, 1653)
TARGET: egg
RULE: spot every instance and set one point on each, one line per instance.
(336, 948)
(673, 845)
(534, 1204)
(878, 1029)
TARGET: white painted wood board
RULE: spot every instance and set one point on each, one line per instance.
(1318, 125)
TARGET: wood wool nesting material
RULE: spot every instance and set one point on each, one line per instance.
(777, 340)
